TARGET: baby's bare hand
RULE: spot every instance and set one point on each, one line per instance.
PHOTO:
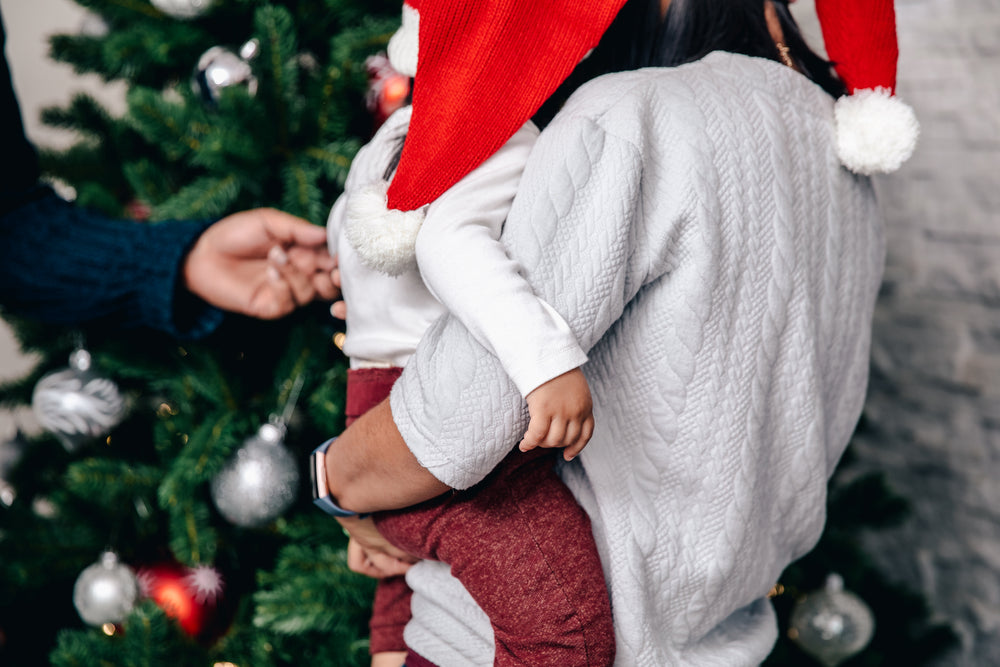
(562, 415)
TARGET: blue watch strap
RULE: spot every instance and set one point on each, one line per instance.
(325, 502)
(333, 509)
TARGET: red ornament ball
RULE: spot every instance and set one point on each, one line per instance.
(388, 90)
(191, 596)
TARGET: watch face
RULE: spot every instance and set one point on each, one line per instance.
(317, 471)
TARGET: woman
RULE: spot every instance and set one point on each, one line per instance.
(695, 227)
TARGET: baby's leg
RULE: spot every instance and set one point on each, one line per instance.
(523, 548)
(390, 614)
(367, 388)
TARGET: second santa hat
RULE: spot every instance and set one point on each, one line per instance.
(876, 132)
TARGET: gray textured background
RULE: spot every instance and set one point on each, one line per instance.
(934, 401)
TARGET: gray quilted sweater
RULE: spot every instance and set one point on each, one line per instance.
(694, 227)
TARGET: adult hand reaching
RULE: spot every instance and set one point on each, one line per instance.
(263, 263)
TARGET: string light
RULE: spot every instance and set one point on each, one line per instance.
(165, 410)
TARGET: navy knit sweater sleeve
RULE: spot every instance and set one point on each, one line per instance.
(65, 264)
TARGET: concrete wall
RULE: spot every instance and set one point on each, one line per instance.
(935, 395)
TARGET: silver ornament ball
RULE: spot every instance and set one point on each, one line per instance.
(219, 69)
(183, 9)
(832, 624)
(77, 404)
(106, 591)
(259, 482)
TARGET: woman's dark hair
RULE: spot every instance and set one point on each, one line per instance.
(691, 30)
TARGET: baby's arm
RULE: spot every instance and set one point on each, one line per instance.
(466, 267)
(562, 415)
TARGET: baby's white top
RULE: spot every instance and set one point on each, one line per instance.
(462, 268)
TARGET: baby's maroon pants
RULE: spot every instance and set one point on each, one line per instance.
(519, 543)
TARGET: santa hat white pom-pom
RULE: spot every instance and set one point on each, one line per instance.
(876, 132)
(403, 44)
(384, 239)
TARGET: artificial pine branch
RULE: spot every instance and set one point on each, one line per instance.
(148, 180)
(303, 195)
(176, 128)
(111, 484)
(335, 159)
(205, 197)
(193, 539)
(151, 640)
(274, 27)
(312, 590)
(84, 115)
(204, 453)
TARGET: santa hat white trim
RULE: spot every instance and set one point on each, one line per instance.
(876, 132)
(404, 44)
(384, 239)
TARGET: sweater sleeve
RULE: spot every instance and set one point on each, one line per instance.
(465, 266)
(65, 264)
(455, 406)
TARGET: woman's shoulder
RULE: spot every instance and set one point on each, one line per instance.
(719, 79)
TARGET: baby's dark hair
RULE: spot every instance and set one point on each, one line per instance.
(397, 154)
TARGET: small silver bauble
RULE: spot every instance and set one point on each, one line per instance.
(219, 68)
(76, 404)
(106, 591)
(832, 624)
(182, 9)
(259, 482)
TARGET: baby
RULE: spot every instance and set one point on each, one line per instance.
(417, 235)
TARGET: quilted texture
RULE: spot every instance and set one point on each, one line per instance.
(696, 230)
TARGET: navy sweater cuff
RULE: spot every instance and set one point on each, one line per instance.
(69, 265)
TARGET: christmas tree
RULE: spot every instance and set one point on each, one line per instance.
(873, 621)
(232, 104)
(235, 104)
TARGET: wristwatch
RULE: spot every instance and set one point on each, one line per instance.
(321, 492)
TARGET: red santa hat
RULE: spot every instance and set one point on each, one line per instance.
(484, 69)
(876, 132)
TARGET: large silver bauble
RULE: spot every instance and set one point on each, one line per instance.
(218, 69)
(183, 9)
(76, 404)
(106, 591)
(832, 624)
(259, 482)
